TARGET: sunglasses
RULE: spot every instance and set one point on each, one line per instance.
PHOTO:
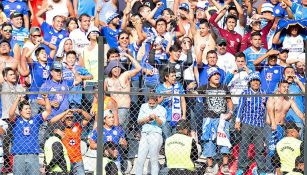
(124, 38)
(8, 30)
(222, 44)
(35, 36)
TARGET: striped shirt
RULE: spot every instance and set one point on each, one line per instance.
(251, 110)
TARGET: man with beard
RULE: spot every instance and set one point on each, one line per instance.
(295, 87)
(112, 29)
(226, 60)
(300, 71)
(6, 34)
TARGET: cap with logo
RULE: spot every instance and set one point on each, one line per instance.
(212, 71)
(56, 66)
(110, 15)
(184, 6)
(15, 15)
(221, 40)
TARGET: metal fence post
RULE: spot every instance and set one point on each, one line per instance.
(305, 128)
(100, 105)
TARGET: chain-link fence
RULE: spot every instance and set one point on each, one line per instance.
(50, 134)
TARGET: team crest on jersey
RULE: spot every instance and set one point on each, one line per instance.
(18, 6)
(52, 89)
(114, 132)
(276, 71)
(63, 88)
(60, 36)
(238, 40)
(6, 7)
(31, 121)
(277, 11)
(72, 142)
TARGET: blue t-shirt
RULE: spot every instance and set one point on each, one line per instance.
(52, 36)
(113, 135)
(252, 55)
(270, 76)
(19, 36)
(111, 36)
(299, 11)
(25, 133)
(87, 7)
(17, 6)
(39, 74)
(69, 76)
(299, 100)
(155, 78)
(167, 101)
(203, 74)
(52, 86)
(278, 11)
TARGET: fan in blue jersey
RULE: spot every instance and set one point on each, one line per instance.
(25, 145)
(19, 33)
(113, 28)
(175, 105)
(255, 53)
(271, 74)
(52, 33)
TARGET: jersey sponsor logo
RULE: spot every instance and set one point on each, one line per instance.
(26, 131)
(109, 138)
(269, 76)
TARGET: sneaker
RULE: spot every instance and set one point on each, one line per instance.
(239, 172)
(209, 171)
(225, 170)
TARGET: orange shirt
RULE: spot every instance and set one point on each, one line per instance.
(72, 142)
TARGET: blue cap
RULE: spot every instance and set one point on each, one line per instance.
(184, 6)
(110, 16)
(56, 66)
(212, 71)
(253, 76)
(281, 50)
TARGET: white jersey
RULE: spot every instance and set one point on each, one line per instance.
(30, 46)
(226, 62)
(79, 39)
(294, 44)
(237, 85)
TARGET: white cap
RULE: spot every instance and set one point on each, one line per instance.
(267, 7)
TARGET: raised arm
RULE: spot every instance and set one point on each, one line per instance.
(136, 64)
(47, 111)
(183, 107)
(266, 55)
(46, 7)
(297, 110)
(60, 116)
(12, 114)
(240, 13)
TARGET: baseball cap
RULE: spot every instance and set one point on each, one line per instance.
(107, 112)
(253, 76)
(267, 7)
(212, 71)
(110, 15)
(112, 64)
(291, 125)
(15, 15)
(92, 29)
(183, 124)
(56, 66)
(221, 40)
(35, 29)
(202, 5)
(281, 50)
(184, 6)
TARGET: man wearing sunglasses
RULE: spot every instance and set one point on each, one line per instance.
(226, 60)
(19, 32)
(6, 34)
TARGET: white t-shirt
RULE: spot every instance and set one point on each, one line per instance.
(226, 62)
(79, 39)
(59, 8)
(237, 85)
(294, 44)
(30, 46)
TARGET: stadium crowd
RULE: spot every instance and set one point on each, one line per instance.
(187, 55)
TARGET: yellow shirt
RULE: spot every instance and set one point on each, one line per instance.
(91, 62)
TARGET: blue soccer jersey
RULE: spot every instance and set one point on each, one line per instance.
(270, 76)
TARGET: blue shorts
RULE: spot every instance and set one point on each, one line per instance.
(210, 147)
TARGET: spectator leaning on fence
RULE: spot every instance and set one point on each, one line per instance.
(71, 136)
(175, 105)
(250, 120)
(218, 111)
(25, 146)
(152, 116)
